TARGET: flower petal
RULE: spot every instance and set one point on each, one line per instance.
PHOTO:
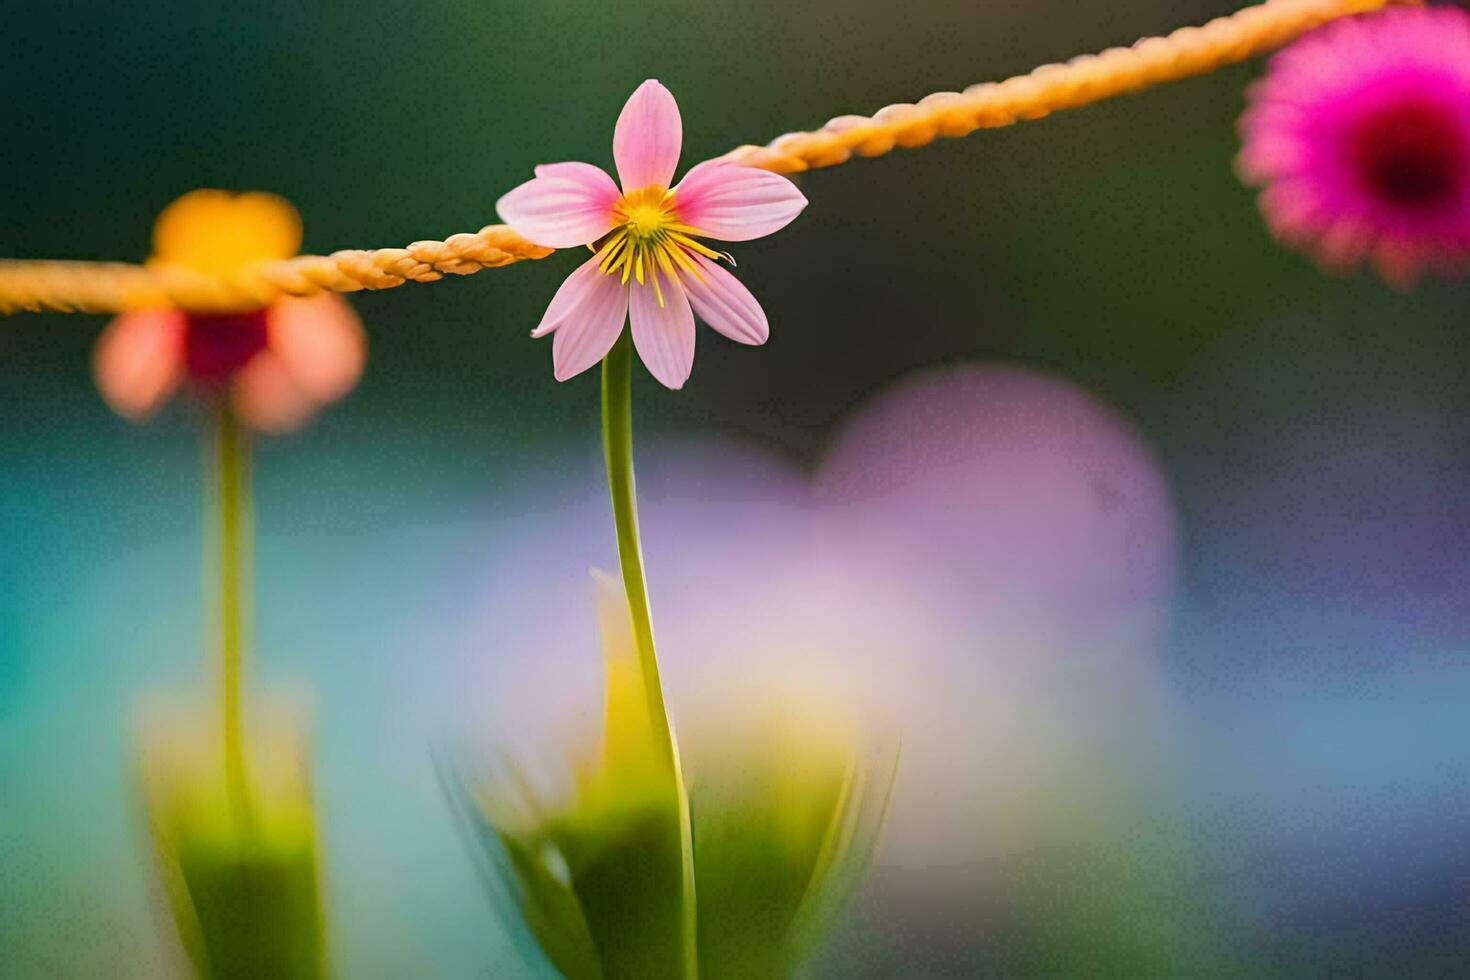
(664, 335)
(589, 312)
(218, 232)
(320, 341)
(566, 204)
(725, 304)
(734, 203)
(579, 287)
(139, 360)
(647, 139)
(266, 397)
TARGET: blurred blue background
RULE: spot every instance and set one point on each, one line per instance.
(1152, 539)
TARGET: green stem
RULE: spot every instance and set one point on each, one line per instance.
(232, 460)
(617, 443)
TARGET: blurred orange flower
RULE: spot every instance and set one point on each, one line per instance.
(276, 365)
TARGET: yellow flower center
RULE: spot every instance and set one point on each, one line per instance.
(650, 237)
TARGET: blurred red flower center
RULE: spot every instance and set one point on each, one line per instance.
(219, 344)
(1412, 154)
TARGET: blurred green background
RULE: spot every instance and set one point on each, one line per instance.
(1312, 431)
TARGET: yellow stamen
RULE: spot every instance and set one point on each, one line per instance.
(650, 239)
(687, 264)
(667, 264)
(695, 246)
(610, 250)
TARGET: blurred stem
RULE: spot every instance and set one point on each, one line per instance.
(232, 459)
(617, 444)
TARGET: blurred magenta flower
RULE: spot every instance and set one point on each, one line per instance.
(648, 267)
(276, 365)
(1360, 136)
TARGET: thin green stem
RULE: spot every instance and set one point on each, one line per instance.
(232, 460)
(617, 443)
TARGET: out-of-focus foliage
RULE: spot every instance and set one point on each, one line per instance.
(600, 879)
(240, 874)
(787, 814)
(784, 825)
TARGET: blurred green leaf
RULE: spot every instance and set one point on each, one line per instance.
(786, 813)
(241, 876)
(256, 905)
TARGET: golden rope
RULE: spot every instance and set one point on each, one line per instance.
(1085, 79)
(110, 287)
(106, 287)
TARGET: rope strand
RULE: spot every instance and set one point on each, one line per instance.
(91, 287)
(1085, 79)
(111, 287)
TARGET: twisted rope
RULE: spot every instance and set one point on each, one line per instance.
(108, 287)
(111, 287)
(1085, 79)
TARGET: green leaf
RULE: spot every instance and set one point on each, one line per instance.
(786, 819)
(241, 874)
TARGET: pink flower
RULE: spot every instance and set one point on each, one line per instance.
(648, 266)
(1360, 137)
(276, 365)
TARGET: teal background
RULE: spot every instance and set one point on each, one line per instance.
(1313, 432)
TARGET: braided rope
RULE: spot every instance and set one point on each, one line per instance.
(97, 287)
(110, 287)
(1085, 79)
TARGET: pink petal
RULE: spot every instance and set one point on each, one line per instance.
(647, 139)
(726, 305)
(266, 397)
(587, 314)
(566, 204)
(734, 203)
(139, 360)
(320, 341)
(584, 284)
(664, 335)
